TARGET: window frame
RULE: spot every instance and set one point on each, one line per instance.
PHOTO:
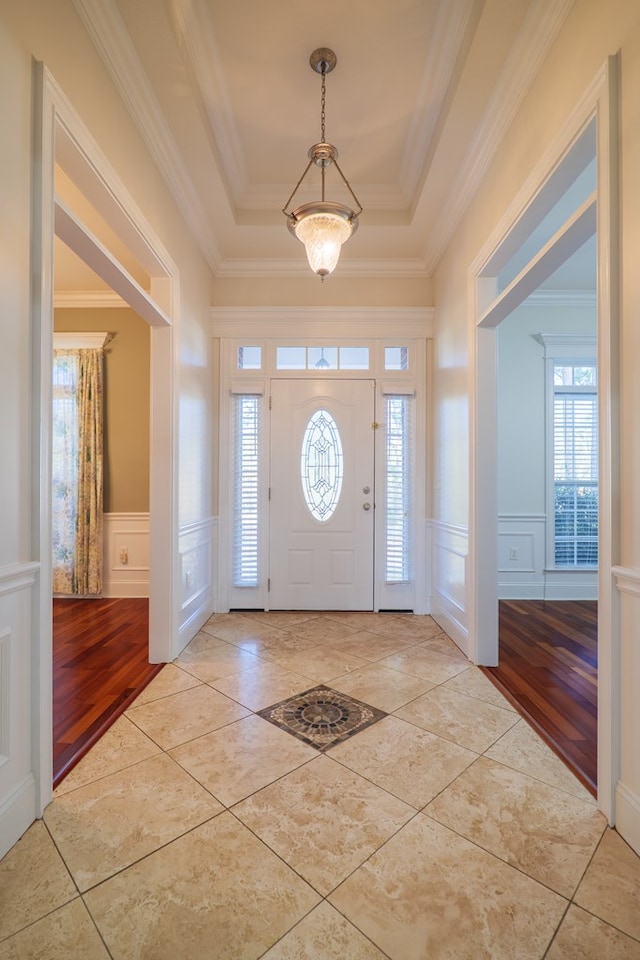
(240, 579)
(573, 484)
(405, 447)
(560, 349)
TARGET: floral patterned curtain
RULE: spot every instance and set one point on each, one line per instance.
(77, 472)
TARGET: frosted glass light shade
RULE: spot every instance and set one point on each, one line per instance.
(323, 235)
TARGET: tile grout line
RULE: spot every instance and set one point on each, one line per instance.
(327, 752)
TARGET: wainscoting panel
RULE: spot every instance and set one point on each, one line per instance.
(126, 555)
(627, 807)
(521, 544)
(17, 781)
(522, 574)
(198, 547)
(447, 561)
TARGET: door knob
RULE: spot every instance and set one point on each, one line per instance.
(366, 506)
(366, 489)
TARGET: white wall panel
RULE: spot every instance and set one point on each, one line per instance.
(126, 555)
(449, 552)
(17, 781)
(198, 547)
(522, 574)
(628, 786)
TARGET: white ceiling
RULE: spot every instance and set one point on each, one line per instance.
(225, 98)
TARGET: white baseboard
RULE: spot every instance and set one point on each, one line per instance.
(571, 590)
(521, 591)
(548, 591)
(17, 813)
(455, 630)
(628, 816)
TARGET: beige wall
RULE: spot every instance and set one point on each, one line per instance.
(337, 291)
(126, 403)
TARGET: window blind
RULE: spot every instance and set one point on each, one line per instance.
(399, 439)
(246, 446)
(575, 448)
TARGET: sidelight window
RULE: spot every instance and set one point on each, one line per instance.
(399, 437)
(246, 448)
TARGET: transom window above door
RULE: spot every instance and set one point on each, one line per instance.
(322, 358)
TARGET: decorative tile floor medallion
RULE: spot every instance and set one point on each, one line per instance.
(321, 716)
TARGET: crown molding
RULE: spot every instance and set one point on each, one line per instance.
(115, 48)
(88, 300)
(449, 38)
(81, 341)
(106, 28)
(299, 267)
(537, 33)
(567, 346)
(561, 298)
(565, 339)
(196, 36)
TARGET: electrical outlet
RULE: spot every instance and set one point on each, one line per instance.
(124, 555)
(513, 553)
(187, 580)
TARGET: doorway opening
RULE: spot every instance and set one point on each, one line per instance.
(589, 133)
(547, 500)
(62, 143)
(322, 451)
(100, 640)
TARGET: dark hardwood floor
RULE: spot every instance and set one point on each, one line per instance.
(100, 664)
(548, 669)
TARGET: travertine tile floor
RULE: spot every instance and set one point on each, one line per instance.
(197, 829)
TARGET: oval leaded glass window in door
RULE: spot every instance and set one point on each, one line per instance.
(321, 465)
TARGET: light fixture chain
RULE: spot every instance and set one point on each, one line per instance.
(322, 102)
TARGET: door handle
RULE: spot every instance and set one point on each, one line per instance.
(366, 506)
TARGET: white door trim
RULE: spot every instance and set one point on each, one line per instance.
(600, 100)
(343, 327)
(60, 135)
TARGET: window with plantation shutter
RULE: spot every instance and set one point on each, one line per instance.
(575, 464)
(246, 446)
(399, 438)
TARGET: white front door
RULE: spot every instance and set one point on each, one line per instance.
(321, 514)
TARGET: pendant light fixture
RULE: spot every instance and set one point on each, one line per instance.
(322, 225)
